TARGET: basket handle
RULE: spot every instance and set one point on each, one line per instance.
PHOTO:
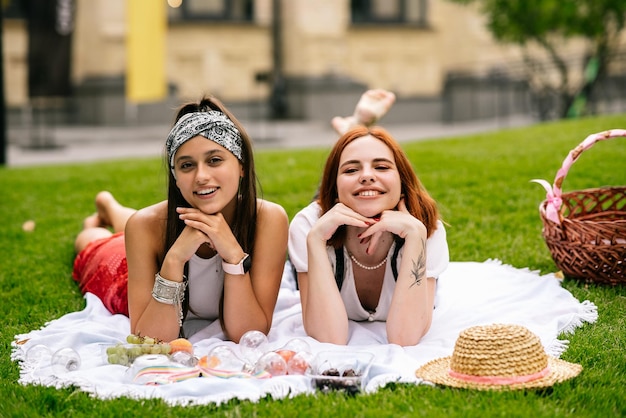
(553, 193)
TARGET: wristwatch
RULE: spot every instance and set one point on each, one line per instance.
(241, 268)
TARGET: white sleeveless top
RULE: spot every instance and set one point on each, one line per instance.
(437, 260)
(205, 281)
(354, 309)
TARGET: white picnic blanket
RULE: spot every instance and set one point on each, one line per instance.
(468, 294)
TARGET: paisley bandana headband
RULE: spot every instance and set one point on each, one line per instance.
(212, 125)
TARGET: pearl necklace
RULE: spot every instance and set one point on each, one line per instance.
(363, 266)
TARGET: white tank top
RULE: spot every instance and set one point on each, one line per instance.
(205, 281)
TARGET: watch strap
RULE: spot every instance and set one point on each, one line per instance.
(238, 269)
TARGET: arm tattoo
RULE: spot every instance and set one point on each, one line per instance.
(419, 266)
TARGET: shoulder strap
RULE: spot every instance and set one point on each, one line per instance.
(394, 258)
(339, 271)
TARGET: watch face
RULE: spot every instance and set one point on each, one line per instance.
(247, 263)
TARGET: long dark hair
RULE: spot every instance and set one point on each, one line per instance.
(418, 202)
(244, 221)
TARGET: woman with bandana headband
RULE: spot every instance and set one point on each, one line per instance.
(212, 250)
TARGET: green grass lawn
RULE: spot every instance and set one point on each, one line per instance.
(482, 183)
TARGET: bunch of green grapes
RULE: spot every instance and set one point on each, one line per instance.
(142, 339)
(125, 354)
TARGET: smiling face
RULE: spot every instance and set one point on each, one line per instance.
(368, 180)
(207, 175)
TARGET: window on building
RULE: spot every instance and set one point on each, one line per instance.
(409, 12)
(227, 10)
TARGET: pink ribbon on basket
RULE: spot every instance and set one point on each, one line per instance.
(553, 193)
(553, 201)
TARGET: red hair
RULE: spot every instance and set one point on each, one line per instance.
(418, 202)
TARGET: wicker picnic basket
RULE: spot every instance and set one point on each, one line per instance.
(585, 230)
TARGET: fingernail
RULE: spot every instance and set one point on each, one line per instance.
(376, 218)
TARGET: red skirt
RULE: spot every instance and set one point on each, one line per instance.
(101, 269)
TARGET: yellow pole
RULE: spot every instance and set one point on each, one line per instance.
(145, 50)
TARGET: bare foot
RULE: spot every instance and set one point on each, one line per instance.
(111, 212)
(343, 125)
(105, 203)
(373, 105)
(92, 221)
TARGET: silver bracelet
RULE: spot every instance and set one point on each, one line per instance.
(170, 293)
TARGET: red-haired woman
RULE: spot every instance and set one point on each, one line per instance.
(371, 246)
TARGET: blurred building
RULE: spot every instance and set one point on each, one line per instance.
(291, 59)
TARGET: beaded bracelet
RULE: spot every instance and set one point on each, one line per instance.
(170, 293)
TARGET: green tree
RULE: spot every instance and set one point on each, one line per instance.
(547, 26)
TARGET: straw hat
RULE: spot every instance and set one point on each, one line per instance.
(498, 356)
